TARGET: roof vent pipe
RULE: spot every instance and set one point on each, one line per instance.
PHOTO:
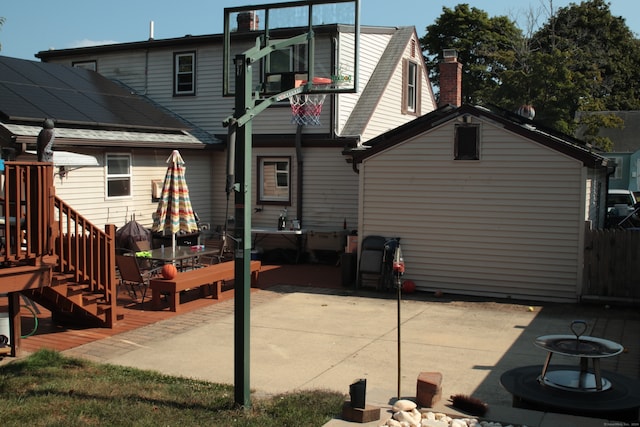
(150, 30)
(527, 111)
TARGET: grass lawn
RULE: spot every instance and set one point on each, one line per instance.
(48, 389)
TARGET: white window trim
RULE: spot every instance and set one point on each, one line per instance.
(411, 96)
(412, 87)
(108, 177)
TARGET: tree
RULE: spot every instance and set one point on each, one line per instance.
(581, 59)
(602, 48)
(1, 23)
(481, 43)
(603, 59)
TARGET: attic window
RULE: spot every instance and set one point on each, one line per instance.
(467, 142)
(411, 79)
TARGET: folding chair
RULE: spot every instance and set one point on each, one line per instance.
(370, 267)
(133, 277)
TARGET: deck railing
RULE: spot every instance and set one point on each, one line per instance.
(26, 211)
(86, 251)
(35, 224)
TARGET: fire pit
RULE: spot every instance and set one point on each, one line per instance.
(575, 389)
(576, 345)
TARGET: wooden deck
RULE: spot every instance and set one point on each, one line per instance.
(132, 315)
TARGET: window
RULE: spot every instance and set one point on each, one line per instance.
(274, 180)
(118, 175)
(411, 88)
(284, 66)
(467, 142)
(619, 164)
(87, 65)
(184, 77)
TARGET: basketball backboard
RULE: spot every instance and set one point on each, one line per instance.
(302, 43)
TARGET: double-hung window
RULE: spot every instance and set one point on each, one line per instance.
(118, 175)
(284, 66)
(411, 88)
(274, 180)
(184, 73)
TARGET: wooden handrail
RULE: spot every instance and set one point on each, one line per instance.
(85, 251)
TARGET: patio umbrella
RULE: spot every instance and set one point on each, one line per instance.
(174, 213)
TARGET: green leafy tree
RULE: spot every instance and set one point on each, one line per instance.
(481, 43)
(581, 59)
(603, 60)
(602, 49)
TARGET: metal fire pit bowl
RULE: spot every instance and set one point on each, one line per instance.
(574, 390)
(584, 347)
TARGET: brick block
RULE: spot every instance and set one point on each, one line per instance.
(428, 389)
(358, 415)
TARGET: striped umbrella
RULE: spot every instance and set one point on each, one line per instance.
(174, 213)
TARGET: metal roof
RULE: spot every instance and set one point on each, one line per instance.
(32, 91)
(100, 137)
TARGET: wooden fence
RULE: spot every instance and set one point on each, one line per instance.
(612, 264)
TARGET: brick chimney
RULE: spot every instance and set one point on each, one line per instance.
(450, 79)
(248, 21)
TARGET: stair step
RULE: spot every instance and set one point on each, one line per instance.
(91, 299)
(60, 278)
(103, 307)
(76, 288)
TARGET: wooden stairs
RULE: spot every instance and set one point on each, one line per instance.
(71, 302)
(52, 254)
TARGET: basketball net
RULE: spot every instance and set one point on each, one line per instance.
(306, 108)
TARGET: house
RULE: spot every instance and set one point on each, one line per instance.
(315, 184)
(128, 138)
(58, 219)
(626, 150)
(485, 202)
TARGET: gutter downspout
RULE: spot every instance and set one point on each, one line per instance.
(299, 173)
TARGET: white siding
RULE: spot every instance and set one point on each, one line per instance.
(388, 114)
(372, 46)
(501, 226)
(84, 189)
(330, 190)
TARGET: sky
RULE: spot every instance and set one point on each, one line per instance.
(33, 25)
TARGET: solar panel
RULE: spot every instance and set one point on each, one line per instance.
(33, 90)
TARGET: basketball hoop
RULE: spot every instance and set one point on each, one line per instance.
(306, 108)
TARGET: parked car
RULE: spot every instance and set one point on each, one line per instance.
(620, 204)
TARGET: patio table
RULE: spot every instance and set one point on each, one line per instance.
(181, 255)
(293, 236)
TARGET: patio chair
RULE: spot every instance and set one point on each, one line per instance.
(142, 245)
(214, 258)
(133, 277)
